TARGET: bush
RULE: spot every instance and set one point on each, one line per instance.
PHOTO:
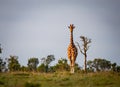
(27, 84)
(1, 83)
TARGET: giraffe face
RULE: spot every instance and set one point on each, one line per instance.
(71, 27)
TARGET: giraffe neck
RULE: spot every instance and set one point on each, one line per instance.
(71, 37)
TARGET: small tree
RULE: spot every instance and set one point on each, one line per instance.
(99, 64)
(113, 66)
(13, 63)
(45, 62)
(42, 68)
(84, 49)
(118, 68)
(48, 60)
(90, 66)
(24, 68)
(2, 65)
(62, 65)
(32, 64)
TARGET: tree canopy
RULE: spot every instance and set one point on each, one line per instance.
(13, 63)
(32, 64)
(99, 64)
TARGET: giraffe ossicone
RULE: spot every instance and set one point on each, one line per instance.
(72, 50)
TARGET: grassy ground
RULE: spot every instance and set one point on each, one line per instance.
(61, 79)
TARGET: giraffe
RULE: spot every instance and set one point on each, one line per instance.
(72, 50)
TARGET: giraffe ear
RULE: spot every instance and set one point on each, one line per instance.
(72, 25)
(68, 26)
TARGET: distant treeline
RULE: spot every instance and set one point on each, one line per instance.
(12, 64)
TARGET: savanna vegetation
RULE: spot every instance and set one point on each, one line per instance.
(100, 73)
(60, 79)
(39, 73)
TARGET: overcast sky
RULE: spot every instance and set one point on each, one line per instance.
(37, 28)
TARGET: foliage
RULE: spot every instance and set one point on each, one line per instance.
(102, 64)
(48, 60)
(90, 66)
(13, 63)
(42, 68)
(1, 83)
(32, 64)
(24, 68)
(27, 84)
(118, 68)
(77, 67)
(62, 65)
(2, 65)
(60, 79)
(45, 62)
(99, 65)
(113, 66)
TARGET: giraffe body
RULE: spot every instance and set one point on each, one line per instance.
(72, 50)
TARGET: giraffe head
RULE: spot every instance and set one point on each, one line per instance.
(71, 27)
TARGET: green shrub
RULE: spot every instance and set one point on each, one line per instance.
(27, 84)
(1, 83)
(65, 79)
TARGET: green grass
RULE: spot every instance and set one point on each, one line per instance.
(60, 79)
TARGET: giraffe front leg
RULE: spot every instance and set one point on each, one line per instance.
(71, 66)
(72, 69)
